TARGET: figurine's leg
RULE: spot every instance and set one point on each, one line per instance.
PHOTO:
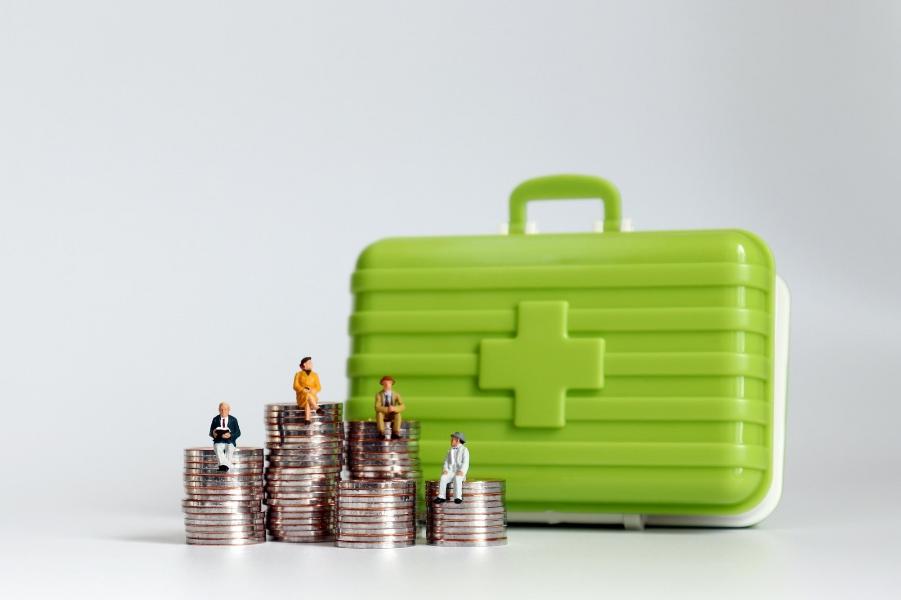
(395, 426)
(220, 453)
(458, 487)
(229, 455)
(380, 422)
(442, 485)
(306, 407)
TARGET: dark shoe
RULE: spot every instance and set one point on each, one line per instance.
(223, 468)
(439, 501)
(458, 500)
(319, 411)
(395, 436)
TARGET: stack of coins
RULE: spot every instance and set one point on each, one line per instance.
(301, 477)
(376, 514)
(224, 507)
(371, 456)
(481, 520)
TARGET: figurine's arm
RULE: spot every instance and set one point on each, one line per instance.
(297, 386)
(378, 404)
(465, 466)
(316, 386)
(447, 464)
(213, 428)
(237, 432)
(399, 405)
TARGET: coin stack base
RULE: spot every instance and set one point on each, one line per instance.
(376, 514)
(481, 520)
(223, 508)
(304, 462)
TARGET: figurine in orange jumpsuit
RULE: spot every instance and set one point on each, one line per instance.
(307, 387)
(388, 406)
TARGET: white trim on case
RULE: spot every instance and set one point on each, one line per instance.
(751, 517)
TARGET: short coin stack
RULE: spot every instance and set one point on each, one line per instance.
(481, 520)
(302, 474)
(376, 514)
(371, 456)
(224, 508)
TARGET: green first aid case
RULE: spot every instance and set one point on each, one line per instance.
(610, 377)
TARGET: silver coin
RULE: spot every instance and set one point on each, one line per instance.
(241, 451)
(302, 519)
(225, 531)
(371, 485)
(375, 540)
(301, 522)
(218, 504)
(325, 450)
(325, 461)
(202, 472)
(225, 519)
(294, 502)
(495, 542)
(246, 542)
(384, 498)
(474, 485)
(374, 426)
(408, 517)
(464, 537)
(496, 520)
(372, 545)
(276, 491)
(345, 533)
(435, 529)
(216, 512)
(300, 510)
(377, 514)
(213, 461)
(242, 497)
(226, 536)
(303, 540)
(299, 450)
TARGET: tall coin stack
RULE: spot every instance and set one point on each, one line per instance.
(302, 474)
(481, 520)
(376, 514)
(371, 456)
(224, 508)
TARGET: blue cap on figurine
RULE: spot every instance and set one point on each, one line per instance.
(459, 436)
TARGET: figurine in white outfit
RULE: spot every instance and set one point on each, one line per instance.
(456, 464)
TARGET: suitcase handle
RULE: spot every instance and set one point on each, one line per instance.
(565, 187)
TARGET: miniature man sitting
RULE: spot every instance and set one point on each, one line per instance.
(307, 387)
(456, 464)
(225, 432)
(388, 406)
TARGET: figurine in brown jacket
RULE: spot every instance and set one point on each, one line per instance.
(388, 406)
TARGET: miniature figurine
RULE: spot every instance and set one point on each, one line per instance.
(307, 387)
(456, 464)
(389, 405)
(225, 432)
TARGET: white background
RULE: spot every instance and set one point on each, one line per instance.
(185, 186)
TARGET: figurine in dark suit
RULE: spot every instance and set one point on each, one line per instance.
(225, 432)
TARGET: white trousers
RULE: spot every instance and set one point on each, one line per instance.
(225, 453)
(458, 484)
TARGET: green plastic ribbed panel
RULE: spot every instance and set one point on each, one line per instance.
(606, 373)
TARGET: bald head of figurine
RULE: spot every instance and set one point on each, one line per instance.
(224, 409)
